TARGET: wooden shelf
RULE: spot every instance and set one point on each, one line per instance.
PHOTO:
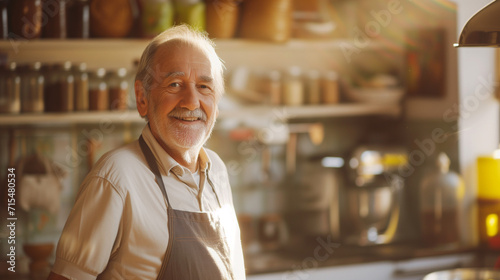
(114, 53)
(281, 112)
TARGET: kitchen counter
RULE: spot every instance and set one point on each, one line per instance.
(327, 254)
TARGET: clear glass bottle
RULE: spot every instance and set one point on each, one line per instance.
(441, 194)
(10, 89)
(98, 91)
(118, 89)
(293, 87)
(32, 88)
(81, 87)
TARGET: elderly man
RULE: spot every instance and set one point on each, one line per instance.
(161, 207)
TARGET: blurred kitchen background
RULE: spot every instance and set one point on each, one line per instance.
(359, 143)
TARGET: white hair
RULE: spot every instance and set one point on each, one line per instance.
(185, 34)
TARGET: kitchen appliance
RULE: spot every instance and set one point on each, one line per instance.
(312, 208)
(374, 195)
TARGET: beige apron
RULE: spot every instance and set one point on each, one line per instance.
(197, 245)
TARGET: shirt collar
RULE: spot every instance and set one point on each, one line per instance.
(166, 162)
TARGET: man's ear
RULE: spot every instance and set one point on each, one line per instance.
(140, 98)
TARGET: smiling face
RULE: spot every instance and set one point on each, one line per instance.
(182, 105)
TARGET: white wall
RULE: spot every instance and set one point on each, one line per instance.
(479, 120)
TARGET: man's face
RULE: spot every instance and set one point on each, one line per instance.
(182, 105)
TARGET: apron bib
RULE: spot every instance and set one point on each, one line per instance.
(197, 244)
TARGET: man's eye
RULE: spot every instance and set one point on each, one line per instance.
(175, 85)
(205, 88)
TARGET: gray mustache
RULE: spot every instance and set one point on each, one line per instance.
(185, 113)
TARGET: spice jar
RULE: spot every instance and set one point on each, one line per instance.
(98, 91)
(10, 89)
(313, 87)
(272, 86)
(330, 88)
(77, 18)
(81, 87)
(441, 194)
(25, 18)
(293, 88)
(4, 19)
(54, 23)
(156, 16)
(32, 88)
(118, 89)
(59, 88)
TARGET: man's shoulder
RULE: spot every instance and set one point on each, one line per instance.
(119, 163)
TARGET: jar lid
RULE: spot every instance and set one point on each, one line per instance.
(100, 72)
(82, 66)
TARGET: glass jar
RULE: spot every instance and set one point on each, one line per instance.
(54, 19)
(118, 89)
(98, 91)
(10, 89)
(32, 88)
(81, 87)
(191, 12)
(441, 194)
(77, 18)
(330, 88)
(222, 18)
(25, 18)
(4, 19)
(59, 88)
(156, 16)
(313, 87)
(293, 87)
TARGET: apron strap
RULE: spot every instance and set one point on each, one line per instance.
(150, 158)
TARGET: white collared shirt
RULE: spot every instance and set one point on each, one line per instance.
(117, 228)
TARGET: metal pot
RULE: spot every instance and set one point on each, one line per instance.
(464, 274)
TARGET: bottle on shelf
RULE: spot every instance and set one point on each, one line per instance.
(330, 88)
(59, 88)
(191, 12)
(32, 88)
(81, 86)
(54, 19)
(10, 89)
(4, 19)
(118, 89)
(98, 91)
(156, 16)
(293, 87)
(313, 87)
(77, 19)
(19, 11)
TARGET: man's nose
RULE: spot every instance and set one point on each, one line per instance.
(190, 99)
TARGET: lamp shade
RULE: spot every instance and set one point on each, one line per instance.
(483, 28)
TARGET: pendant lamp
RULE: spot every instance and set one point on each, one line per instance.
(483, 28)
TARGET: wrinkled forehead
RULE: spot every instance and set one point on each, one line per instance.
(180, 51)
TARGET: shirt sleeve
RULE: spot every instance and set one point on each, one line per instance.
(91, 233)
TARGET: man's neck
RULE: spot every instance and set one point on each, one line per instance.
(187, 158)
